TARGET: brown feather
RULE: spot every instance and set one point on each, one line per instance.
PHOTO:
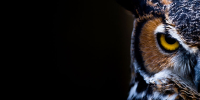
(154, 59)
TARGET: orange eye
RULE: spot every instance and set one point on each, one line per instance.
(168, 43)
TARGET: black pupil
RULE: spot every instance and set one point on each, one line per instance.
(169, 39)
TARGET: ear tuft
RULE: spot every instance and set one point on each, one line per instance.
(130, 5)
(143, 7)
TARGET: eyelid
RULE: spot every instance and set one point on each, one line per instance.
(166, 34)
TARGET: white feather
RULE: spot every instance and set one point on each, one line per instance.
(133, 92)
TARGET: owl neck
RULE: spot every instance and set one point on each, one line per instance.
(162, 85)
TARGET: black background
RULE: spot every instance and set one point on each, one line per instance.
(87, 49)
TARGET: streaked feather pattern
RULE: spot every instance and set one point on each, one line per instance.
(158, 73)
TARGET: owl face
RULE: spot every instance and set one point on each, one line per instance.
(166, 37)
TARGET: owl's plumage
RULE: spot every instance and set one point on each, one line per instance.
(165, 49)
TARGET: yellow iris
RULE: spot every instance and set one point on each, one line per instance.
(167, 45)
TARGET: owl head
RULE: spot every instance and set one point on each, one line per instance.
(166, 39)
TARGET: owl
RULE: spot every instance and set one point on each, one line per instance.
(165, 49)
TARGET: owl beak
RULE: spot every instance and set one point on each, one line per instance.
(196, 74)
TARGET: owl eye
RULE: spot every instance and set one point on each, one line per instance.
(167, 42)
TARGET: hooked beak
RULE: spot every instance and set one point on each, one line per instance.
(196, 75)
